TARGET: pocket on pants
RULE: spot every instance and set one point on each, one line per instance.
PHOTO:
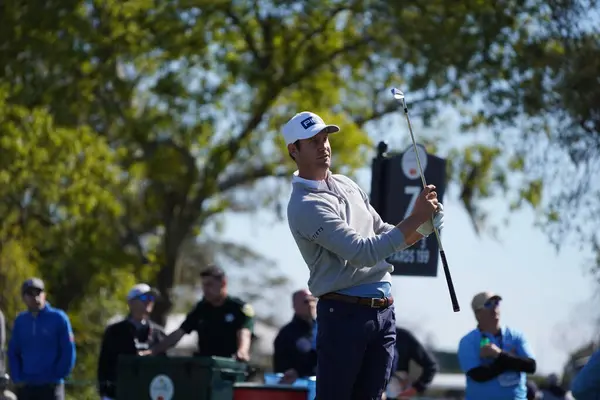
(338, 322)
(329, 311)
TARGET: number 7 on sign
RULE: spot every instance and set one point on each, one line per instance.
(414, 192)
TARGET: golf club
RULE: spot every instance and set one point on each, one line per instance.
(399, 95)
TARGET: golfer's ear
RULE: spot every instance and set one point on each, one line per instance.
(291, 148)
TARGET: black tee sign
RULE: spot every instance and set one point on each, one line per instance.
(396, 184)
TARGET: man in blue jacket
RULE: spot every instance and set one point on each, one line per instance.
(41, 351)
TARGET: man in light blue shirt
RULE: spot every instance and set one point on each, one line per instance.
(495, 358)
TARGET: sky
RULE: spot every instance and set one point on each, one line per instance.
(546, 294)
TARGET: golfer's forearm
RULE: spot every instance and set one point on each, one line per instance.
(408, 227)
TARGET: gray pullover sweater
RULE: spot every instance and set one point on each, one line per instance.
(341, 237)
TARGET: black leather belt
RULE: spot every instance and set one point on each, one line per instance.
(373, 302)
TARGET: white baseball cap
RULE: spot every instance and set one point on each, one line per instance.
(140, 289)
(305, 125)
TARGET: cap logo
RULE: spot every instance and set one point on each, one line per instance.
(308, 122)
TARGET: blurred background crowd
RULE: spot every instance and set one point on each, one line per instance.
(139, 142)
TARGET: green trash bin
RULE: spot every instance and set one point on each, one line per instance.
(177, 378)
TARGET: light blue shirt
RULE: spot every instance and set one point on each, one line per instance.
(510, 385)
(586, 385)
(375, 289)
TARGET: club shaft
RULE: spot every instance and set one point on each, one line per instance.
(453, 297)
(421, 172)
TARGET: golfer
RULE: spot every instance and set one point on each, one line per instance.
(345, 243)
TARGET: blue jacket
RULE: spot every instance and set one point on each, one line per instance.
(586, 385)
(41, 348)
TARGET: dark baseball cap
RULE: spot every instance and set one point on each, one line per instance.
(32, 283)
(214, 271)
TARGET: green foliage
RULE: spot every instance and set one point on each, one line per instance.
(59, 218)
(15, 267)
(539, 95)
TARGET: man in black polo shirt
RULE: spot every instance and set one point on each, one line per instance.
(294, 355)
(224, 324)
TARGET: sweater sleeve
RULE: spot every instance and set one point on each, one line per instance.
(318, 222)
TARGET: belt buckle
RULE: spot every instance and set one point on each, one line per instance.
(373, 302)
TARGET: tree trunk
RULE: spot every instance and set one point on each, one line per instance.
(175, 235)
(164, 284)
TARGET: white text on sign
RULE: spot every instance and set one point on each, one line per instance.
(414, 192)
(412, 256)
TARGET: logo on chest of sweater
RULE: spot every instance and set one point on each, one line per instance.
(316, 234)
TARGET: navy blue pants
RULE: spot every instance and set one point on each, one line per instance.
(355, 350)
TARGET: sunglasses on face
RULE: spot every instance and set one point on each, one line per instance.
(491, 304)
(146, 297)
(33, 292)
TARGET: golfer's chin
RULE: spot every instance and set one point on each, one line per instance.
(324, 162)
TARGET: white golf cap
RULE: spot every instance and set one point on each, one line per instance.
(140, 289)
(305, 125)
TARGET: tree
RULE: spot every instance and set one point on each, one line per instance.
(547, 85)
(59, 215)
(194, 92)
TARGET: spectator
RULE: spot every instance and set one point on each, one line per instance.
(294, 354)
(586, 384)
(224, 324)
(495, 358)
(532, 390)
(132, 335)
(552, 390)
(407, 349)
(41, 351)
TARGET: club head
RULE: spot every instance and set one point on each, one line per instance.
(398, 94)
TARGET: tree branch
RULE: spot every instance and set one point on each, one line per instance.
(217, 161)
(248, 38)
(249, 176)
(392, 106)
(133, 239)
(266, 25)
(313, 67)
(188, 159)
(311, 35)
